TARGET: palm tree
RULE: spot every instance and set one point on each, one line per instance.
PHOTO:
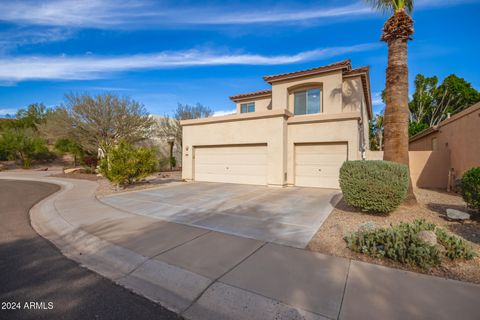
(397, 30)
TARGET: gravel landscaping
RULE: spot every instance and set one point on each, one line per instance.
(432, 205)
(107, 188)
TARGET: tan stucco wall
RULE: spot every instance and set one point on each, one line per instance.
(331, 131)
(428, 169)
(261, 104)
(424, 143)
(459, 135)
(331, 84)
(254, 131)
(353, 100)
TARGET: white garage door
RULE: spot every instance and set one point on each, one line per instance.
(232, 164)
(318, 165)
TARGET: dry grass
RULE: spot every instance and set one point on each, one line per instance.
(431, 207)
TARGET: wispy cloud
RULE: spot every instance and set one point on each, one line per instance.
(91, 67)
(147, 13)
(14, 37)
(224, 112)
(114, 14)
(9, 111)
(377, 99)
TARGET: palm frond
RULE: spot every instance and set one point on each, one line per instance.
(391, 6)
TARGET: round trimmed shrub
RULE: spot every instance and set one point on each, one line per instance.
(470, 185)
(374, 185)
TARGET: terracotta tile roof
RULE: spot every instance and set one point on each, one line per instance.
(345, 64)
(251, 95)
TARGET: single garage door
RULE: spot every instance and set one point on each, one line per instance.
(318, 165)
(245, 164)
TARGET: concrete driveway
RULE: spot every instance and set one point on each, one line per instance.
(289, 216)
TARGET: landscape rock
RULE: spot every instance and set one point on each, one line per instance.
(457, 214)
(73, 170)
(428, 237)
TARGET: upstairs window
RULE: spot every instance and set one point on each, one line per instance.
(307, 101)
(247, 107)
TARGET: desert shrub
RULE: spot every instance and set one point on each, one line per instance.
(90, 162)
(455, 248)
(25, 145)
(126, 164)
(470, 186)
(375, 186)
(400, 243)
(64, 145)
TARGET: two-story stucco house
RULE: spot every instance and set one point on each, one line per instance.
(296, 134)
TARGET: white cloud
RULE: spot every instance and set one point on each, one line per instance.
(92, 67)
(14, 37)
(110, 13)
(224, 112)
(9, 111)
(377, 99)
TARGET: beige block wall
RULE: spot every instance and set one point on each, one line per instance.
(331, 84)
(460, 136)
(462, 139)
(334, 131)
(271, 131)
(423, 144)
(428, 169)
(261, 104)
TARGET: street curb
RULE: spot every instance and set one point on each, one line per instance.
(191, 295)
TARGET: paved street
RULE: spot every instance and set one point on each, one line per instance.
(33, 270)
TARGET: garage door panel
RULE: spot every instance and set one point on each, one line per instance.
(319, 159)
(233, 164)
(318, 165)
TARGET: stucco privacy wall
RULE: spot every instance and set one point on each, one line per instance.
(257, 130)
(428, 169)
(331, 84)
(321, 132)
(460, 135)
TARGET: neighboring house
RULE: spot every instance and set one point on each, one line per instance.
(162, 144)
(298, 133)
(459, 135)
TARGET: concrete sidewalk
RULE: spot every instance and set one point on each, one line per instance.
(204, 274)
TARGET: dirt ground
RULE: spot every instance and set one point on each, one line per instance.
(106, 188)
(432, 205)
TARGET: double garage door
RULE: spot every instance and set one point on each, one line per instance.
(316, 165)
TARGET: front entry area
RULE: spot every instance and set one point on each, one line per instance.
(318, 165)
(245, 164)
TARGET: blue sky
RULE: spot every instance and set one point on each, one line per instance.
(162, 53)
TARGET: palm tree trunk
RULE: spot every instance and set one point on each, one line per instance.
(396, 110)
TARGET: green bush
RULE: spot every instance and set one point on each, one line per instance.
(455, 248)
(126, 164)
(24, 145)
(470, 186)
(400, 243)
(375, 186)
